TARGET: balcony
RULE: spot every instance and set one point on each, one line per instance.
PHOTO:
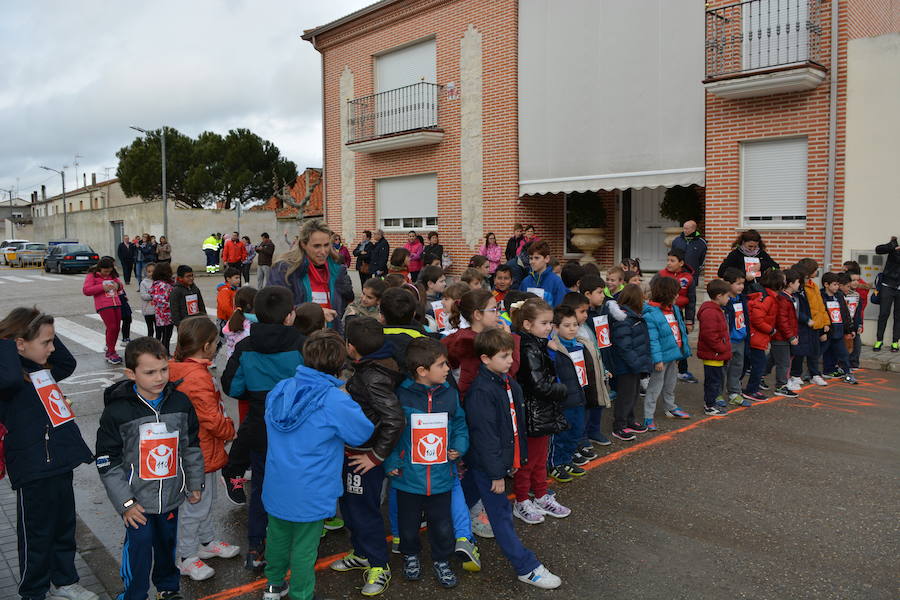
(399, 118)
(764, 47)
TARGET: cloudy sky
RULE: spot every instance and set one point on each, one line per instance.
(75, 75)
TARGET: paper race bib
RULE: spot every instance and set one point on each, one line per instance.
(580, 369)
(834, 311)
(601, 329)
(673, 325)
(193, 304)
(55, 403)
(739, 315)
(440, 316)
(158, 452)
(429, 438)
(852, 305)
(110, 289)
(539, 292)
(320, 298)
(752, 266)
(512, 411)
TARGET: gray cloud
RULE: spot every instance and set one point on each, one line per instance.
(75, 75)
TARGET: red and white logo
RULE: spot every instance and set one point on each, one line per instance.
(673, 324)
(158, 452)
(429, 438)
(739, 315)
(440, 316)
(580, 369)
(834, 311)
(601, 329)
(193, 304)
(752, 266)
(54, 401)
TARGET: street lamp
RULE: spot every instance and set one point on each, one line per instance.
(65, 212)
(162, 139)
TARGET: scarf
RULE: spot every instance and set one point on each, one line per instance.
(747, 252)
(570, 345)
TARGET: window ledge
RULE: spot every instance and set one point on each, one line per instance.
(772, 227)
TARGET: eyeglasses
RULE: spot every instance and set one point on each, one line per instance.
(487, 310)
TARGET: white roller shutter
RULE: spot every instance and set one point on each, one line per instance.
(406, 66)
(773, 181)
(409, 196)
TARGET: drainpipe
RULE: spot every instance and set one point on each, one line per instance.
(832, 139)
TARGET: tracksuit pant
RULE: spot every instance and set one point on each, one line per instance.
(462, 521)
(45, 528)
(855, 352)
(781, 357)
(361, 509)
(661, 382)
(195, 522)
(890, 297)
(293, 546)
(712, 383)
(734, 370)
(112, 319)
(593, 417)
(834, 354)
(532, 476)
(436, 508)
(499, 512)
(757, 367)
(257, 518)
(628, 386)
(812, 360)
(149, 554)
(565, 444)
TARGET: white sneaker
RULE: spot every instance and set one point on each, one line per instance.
(817, 379)
(541, 578)
(196, 569)
(481, 525)
(218, 549)
(794, 384)
(548, 505)
(71, 592)
(527, 511)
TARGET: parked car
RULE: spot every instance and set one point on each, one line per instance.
(16, 244)
(29, 254)
(70, 257)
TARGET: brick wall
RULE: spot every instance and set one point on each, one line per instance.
(866, 18)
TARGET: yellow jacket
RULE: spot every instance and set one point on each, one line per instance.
(211, 243)
(816, 305)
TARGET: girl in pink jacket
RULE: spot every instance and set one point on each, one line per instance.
(102, 282)
(415, 247)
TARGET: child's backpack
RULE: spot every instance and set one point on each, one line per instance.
(875, 296)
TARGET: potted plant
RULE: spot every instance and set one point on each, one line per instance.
(585, 217)
(680, 204)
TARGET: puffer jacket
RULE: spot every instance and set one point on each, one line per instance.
(93, 286)
(808, 338)
(785, 318)
(597, 392)
(461, 354)
(178, 301)
(714, 342)
(568, 375)
(125, 416)
(147, 308)
(763, 311)
(192, 377)
(687, 296)
(372, 385)
(630, 343)
(427, 480)
(816, 305)
(340, 288)
(35, 449)
(544, 394)
(664, 347)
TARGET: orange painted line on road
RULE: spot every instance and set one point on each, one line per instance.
(259, 584)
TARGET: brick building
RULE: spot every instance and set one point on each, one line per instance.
(466, 116)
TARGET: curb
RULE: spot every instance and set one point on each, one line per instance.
(892, 366)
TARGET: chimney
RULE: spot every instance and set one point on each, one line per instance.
(34, 196)
(84, 179)
(43, 193)
(93, 179)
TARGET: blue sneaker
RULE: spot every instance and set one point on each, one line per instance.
(720, 402)
(677, 413)
(599, 439)
(650, 424)
(445, 575)
(687, 377)
(412, 568)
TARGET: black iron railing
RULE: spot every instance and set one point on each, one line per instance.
(410, 108)
(762, 34)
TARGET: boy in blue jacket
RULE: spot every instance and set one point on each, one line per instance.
(498, 447)
(308, 421)
(541, 280)
(420, 467)
(737, 314)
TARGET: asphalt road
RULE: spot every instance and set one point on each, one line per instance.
(792, 498)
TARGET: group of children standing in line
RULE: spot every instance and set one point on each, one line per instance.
(433, 399)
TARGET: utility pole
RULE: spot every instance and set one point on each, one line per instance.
(65, 209)
(75, 164)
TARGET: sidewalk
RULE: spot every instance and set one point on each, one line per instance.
(9, 557)
(880, 361)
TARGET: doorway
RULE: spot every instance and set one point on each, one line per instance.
(118, 228)
(647, 228)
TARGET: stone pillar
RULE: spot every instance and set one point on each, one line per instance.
(348, 163)
(471, 144)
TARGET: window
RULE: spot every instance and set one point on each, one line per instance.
(81, 205)
(773, 183)
(777, 32)
(406, 66)
(408, 202)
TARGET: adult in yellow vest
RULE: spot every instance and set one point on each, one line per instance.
(210, 248)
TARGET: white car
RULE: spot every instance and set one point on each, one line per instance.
(17, 244)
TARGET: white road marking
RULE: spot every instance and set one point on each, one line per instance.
(16, 279)
(137, 326)
(81, 335)
(45, 278)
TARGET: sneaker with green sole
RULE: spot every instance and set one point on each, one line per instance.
(468, 552)
(377, 580)
(334, 524)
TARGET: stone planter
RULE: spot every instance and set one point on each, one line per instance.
(588, 239)
(671, 234)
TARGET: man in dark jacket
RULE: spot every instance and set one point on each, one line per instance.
(694, 248)
(265, 250)
(125, 253)
(889, 294)
(375, 376)
(185, 300)
(378, 256)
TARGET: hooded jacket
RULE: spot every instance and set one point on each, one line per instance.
(125, 416)
(568, 375)
(461, 353)
(340, 288)
(34, 448)
(309, 420)
(178, 301)
(544, 394)
(714, 341)
(225, 301)
(785, 318)
(398, 337)
(664, 347)
(93, 286)
(687, 296)
(427, 480)
(372, 385)
(193, 379)
(807, 337)
(270, 354)
(491, 437)
(694, 248)
(816, 305)
(847, 324)
(737, 335)
(630, 343)
(762, 318)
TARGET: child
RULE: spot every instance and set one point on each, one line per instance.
(309, 420)
(367, 305)
(225, 295)
(684, 275)
(668, 345)
(399, 263)
(633, 277)
(737, 315)
(43, 446)
(147, 309)
(835, 359)
(786, 326)
(375, 376)
(160, 294)
(542, 281)
(819, 317)
(102, 282)
(629, 359)
(309, 317)
(596, 394)
(632, 265)
(763, 311)
(398, 309)
(474, 278)
(423, 471)
(544, 398)
(856, 297)
(451, 297)
(238, 325)
(570, 360)
(615, 281)
(431, 284)
(481, 264)
(495, 414)
(807, 339)
(186, 299)
(149, 459)
(503, 279)
(571, 275)
(271, 353)
(714, 344)
(198, 339)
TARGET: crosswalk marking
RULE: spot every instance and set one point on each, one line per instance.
(16, 279)
(138, 326)
(80, 334)
(44, 277)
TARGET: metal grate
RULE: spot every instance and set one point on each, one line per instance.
(409, 108)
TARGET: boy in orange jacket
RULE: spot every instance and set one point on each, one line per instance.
(225, 295)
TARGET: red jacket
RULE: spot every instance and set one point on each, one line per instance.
(461, 355)
(785, 319)
(714, 342)
(234, 251)
(763, 310)
(684, 279)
